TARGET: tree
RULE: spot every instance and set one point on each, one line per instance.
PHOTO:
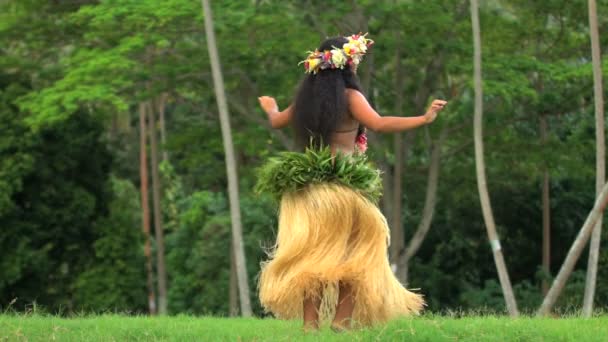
(145, 207)
(113, 279)
(546, 208)
(161, 272)
(233, 191)
(574, 253)
(480, 168)
(600, 157)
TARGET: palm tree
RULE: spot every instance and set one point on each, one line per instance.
(233, 189)
(486, 207)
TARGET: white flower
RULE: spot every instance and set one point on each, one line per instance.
(363, 47)
(338, 58)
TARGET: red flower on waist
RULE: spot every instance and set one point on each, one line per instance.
(361, 142)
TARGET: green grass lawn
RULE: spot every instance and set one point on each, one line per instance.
(186, 328)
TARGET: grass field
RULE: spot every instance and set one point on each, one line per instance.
(186, 328)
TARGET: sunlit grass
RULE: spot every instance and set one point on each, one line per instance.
(19, 327)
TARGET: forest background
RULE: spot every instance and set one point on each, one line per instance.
(89, 87)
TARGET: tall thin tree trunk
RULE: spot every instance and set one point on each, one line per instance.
(486, 207)
(387, 193)
(600, 163)
(145, 209)
(397, 233)
(162, 105)
(574, 253)
(546, 258)
(233, 189)
(234, 287)
(161, 272)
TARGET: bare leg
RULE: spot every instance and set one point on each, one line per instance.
(311, 313)
(344, 309)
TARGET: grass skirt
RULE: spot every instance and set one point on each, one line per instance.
(329, 232)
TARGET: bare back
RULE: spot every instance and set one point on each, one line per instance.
(343, 139)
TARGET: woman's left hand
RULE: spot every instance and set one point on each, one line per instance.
(434, 108)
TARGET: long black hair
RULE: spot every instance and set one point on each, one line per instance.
(320, 103)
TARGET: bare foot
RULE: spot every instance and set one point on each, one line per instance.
(338, 328)
(311, 314)
(344, 310)
(310, 328)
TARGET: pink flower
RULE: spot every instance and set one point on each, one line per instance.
(361, 142)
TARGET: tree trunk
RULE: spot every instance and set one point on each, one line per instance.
(488, 216)
(387, 194)
(234, 289)
(162, 104)
(427, 212)
(600, 164)
(233, 189)
(161, 272)
(546, 258)
(397, 234)
(145, 209)
(574, 253)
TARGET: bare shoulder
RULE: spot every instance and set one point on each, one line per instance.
(352, 93)
(355, 98)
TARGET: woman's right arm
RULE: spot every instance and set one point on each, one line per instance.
(278, 119)
(365, 114)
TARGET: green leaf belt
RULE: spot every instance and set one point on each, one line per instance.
(291, 171)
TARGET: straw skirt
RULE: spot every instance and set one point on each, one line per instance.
(329, 233)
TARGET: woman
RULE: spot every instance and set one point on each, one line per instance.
(330, 259)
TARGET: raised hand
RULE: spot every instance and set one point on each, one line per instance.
(435, 107)
(268, 104)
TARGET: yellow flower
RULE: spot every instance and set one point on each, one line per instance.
(349, 49)
(313, 63)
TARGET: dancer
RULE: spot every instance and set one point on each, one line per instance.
(330, 258)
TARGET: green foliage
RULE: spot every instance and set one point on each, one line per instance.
(290, 171)
(48, 230)
(198, 261)
(113, 279)
(14, 142)
(199, 251)
(199, 244)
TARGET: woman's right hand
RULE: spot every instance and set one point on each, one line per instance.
(268, 104)
(434, 108)
(277, 119)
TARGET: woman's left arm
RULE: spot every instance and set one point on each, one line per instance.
(278, 119)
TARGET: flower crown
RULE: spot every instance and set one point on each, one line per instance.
(337, 58)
